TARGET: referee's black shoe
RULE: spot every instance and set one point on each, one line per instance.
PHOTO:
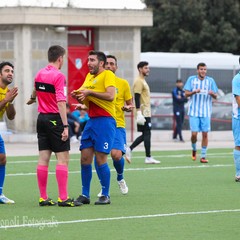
(69, 203)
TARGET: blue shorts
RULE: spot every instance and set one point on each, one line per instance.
(99, 133)
(2, 146)
(199, 124)
(120, 140)
(236, 131)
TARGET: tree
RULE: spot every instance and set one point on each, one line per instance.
(193, 26)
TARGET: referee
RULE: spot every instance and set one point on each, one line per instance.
(52, 128)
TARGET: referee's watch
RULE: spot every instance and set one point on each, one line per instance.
(65, 126)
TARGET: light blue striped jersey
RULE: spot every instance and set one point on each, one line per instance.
(236, 92)
(200, 104)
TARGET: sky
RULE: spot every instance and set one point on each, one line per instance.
(106, 4)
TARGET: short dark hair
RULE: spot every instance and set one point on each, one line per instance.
(54, 52)
(142, 64)
(112, 56)
(3, 64)
(201, 64)
(100, 55)
(179, 81)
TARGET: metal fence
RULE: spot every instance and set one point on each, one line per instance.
(163, 118)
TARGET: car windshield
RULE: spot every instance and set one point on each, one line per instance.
(160, 99)
(224, 100)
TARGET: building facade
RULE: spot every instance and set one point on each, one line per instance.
(27, 32)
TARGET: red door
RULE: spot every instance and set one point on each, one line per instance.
(80, 42)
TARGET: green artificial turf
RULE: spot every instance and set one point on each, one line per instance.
(177, 199)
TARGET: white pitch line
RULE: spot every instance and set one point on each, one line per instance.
(55, 223)
(134, 169)
(136, 157)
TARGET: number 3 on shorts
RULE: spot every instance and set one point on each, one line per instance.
(105, 145)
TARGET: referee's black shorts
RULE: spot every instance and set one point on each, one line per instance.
(49, 133)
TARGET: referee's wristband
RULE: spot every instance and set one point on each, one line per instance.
(66, 126)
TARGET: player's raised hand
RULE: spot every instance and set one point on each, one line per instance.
(212, 94)
(11, 94)
(197, 90)
(79, 106)
(83, 94)
(128, 108)
(74, 94)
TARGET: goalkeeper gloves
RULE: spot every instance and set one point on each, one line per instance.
(140, 118)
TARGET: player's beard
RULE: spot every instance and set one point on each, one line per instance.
(145, 74)
(201, 76)
(94, 70)
(7, 80)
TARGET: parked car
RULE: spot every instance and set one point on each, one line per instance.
(162, 112)
(222, 113)
(224, 100)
